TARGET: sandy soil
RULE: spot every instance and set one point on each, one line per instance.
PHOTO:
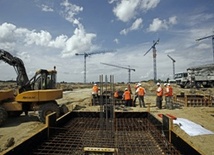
(21, 128)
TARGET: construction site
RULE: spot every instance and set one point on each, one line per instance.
(43, 117)
(109, 128)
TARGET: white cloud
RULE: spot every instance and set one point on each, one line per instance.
(124, 31)
(149, 4)
(41, 38)
(137, 23)
(172, 20)
(70, 10)
(158, 24)
(116, 41)
(126, 9)
(169, 51)
(80, 41)
(111, 1)
(46, 8)
(135, 26)
(202, 46)
(6, 32)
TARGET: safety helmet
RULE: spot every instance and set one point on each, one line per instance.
(165, 84)
(126, 88)
(158, 84)
(139, 84)
(168, 84)
(95, 84)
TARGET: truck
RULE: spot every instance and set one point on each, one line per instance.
(36, 94)
(196, 77)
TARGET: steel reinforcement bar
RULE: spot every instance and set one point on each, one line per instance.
(129, 136)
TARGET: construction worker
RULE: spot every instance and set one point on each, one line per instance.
(127, 97)
(94, 93)
(159, 98)
(116, 95)
(140, 93)
(95, 90)
(168, 96)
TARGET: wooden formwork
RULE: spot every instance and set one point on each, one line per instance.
(194, 100)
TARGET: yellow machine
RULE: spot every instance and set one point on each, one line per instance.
(37, 94)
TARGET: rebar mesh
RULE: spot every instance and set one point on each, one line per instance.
(131, 136)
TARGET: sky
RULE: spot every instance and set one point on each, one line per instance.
(47, 33)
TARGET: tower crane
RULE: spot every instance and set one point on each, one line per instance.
(211, 36)
(85, 55)
(173, 65)
(154, 58)
(128, 68)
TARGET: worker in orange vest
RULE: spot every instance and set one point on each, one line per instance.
(140, 93)
(127, 97)
(95, 90)
(94, 93)
(159, 98)
(168, 96)
(116, 95)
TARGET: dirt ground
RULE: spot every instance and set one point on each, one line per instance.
(17, 130)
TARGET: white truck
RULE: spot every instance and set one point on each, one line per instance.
(199, 76)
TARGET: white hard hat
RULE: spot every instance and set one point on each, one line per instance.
(158, 84)
(126, 88)
(139, 84)
(95, 84)
(168, 84)
(165, 84)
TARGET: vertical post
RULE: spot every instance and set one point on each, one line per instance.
(154, 63)
(173, 69)
(85, 68)
(213, 46)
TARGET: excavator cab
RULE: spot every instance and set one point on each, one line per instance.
(44, 79)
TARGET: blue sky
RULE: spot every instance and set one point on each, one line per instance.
(47, 33)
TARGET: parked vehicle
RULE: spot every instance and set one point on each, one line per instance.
(199, 76)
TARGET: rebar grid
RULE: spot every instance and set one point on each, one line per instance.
(132, 136)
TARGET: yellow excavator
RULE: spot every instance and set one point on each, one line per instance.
(37, 94)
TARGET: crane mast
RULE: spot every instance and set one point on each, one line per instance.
(85, 55)
(154, 58)
(128, 68)
(211, 36)
(173, 65)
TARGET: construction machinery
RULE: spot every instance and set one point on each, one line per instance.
(85, 56)
(128, 68)
(173, 65)
(37, 94)
(211, 36)
(198, 76)
(154, 58)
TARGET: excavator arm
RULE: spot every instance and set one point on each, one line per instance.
(17, 63)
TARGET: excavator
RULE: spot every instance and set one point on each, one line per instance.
(39, 94)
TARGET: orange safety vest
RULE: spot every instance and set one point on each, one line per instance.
(127, 95)
(170, 91)
(116, 95)
(141, 91)
(159, 92)
(95, 89)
